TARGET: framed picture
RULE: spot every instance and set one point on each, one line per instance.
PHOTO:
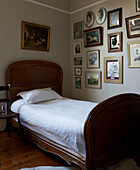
(77, 48)
(78, 82)
(89, 19)
(35, 37)
(93, 59)
(77, 30)
(133, 26)
(113, 72)
(78, 71)
(133, 51)
(100, 15)
(93, 37)
(78, 61)
(137, 5)
(114, 18)
(94, 79)
(115, 42)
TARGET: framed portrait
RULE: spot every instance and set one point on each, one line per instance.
(115, 42)
(77, 30)
(100, 15)
(35, 37)
(93, 79)
(137, 5)
(133, 51)
(93, 59)
(113, 72)
(78, 71)
(77, 48)
(114, 18)
(78, 82)
(93, 37)
(89, 19)
(133, 26)
(78, 61)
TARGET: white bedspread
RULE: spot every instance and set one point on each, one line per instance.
(61, 119)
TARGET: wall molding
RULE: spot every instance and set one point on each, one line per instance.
(65, 11)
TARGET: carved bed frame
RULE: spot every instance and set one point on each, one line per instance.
(111, 131)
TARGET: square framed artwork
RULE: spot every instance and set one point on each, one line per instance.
(78, 61)
(77, 48)
(93, 37)
(78, 71)
(78, 30)
(35, 37)
(137, 5)
(115, 42)
(93, 79)
(133, 26)
(93, 59)
(114, 18)
(113, 69)
(133, 51)
(78, 82)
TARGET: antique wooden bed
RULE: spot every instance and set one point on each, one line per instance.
(111, 131)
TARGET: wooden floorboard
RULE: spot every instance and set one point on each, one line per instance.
(14, 154)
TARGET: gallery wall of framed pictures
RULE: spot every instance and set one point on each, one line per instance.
(103, 30)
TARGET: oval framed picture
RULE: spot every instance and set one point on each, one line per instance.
(89, 19)
(100, 15)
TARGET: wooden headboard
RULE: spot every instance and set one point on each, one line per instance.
(31, 74)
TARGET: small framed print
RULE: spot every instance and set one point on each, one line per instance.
(78, 71)
(93, 79)
(115, 42)
(77, 48)
(114, 18)
(93, 59)
(89, 19)
(78, 61)
(133, 26)
(78, 30)
(113, 72)
(78, 82)
(137, 5)
(93, 37)
(133, 50)
(100, 15)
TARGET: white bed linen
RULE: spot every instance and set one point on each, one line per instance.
(62, 120)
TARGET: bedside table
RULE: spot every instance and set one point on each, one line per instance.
(6, 114)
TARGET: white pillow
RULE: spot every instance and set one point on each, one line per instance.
(38, 95)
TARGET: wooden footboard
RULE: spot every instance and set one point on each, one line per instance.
(112, 130)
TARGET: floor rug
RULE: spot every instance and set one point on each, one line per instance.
(127, 164)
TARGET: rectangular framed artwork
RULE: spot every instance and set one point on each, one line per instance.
(78, 71)
(77, 48)
(93, 37)
(133, 51)
(115, 42)
(78, 82)
(78, 61)
(93, 79)
(93, 59)
(113, 72)
(78, 30)
(114, 18)
(133, 26)
(35, 37)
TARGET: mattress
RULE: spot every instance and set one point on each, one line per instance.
(60, 120)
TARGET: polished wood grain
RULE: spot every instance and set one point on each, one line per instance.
(112, 128)
(14, 154)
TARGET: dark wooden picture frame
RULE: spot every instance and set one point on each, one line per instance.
(114, 18)
(133, 26)
(137, 5)
(35, 36)
(78, 82)
(115, 42)
(93, 37)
